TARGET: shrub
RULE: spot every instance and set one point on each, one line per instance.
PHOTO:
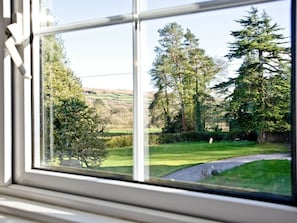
(120, 141)
(161, 138)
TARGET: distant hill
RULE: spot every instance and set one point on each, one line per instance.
(117, 105)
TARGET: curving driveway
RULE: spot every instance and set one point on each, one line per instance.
(199, 172)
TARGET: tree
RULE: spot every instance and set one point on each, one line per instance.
(166, 63)
(76, 132)
(201, 69)
(180, 73)
(70, 125)
(261, 97)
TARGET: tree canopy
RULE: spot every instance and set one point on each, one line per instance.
(181, 72)
(71, 126)
(260, 101)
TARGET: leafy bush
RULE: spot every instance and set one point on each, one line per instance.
(124, 140)
(120, 141)
(160, 138)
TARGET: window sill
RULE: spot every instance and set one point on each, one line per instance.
(23, 210)
(24, 204)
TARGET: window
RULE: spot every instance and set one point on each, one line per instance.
(98, 118)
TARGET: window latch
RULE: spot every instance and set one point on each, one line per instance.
(15, 33)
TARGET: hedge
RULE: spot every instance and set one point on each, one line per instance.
(165, 138)
(162, 138)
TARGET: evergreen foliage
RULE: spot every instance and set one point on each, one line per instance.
(71, 126)
(260, 101)
(181, 72)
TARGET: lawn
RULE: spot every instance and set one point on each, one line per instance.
(167, 158)
(271, 176)
(130, 131)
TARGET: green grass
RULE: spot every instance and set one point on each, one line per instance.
(125, 131)
(119, 131)
(271, 176)
(167, 158)
(118, 97)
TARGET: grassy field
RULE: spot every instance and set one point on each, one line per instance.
(130, 131)
(167, 158)
(271, 176)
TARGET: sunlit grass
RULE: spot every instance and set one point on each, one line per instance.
(193, 153)
(120, 131)
(167, 158)
(130, 131)
(270, 176)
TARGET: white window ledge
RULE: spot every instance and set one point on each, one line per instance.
(21, 204)
(18, 210)
(5, 218)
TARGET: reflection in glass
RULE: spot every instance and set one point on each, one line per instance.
(87, 101)
(219, 113)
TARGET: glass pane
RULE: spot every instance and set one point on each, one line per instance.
(57, 12)
(219, 100)
(87, 100)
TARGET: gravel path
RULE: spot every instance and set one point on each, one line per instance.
(199, 172)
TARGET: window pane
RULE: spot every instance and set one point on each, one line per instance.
(57, 12)
(219, 100)
(87, 100)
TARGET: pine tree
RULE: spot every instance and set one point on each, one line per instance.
(180, 73)
(261, 98)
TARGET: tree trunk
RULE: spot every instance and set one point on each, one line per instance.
(197, 109)
(184, 125)
(261, 136)
(167, 104)
(198, 116)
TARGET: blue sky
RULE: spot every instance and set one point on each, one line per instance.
(108, 50)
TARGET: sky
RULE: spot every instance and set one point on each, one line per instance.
(102, 57)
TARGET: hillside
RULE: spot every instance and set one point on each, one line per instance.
(109, 95)
(116, 106)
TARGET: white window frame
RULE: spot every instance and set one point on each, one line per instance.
(5, 102)
(92, 193)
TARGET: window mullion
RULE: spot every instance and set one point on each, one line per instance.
(203, 6)
(138, 112)
(84, 25)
